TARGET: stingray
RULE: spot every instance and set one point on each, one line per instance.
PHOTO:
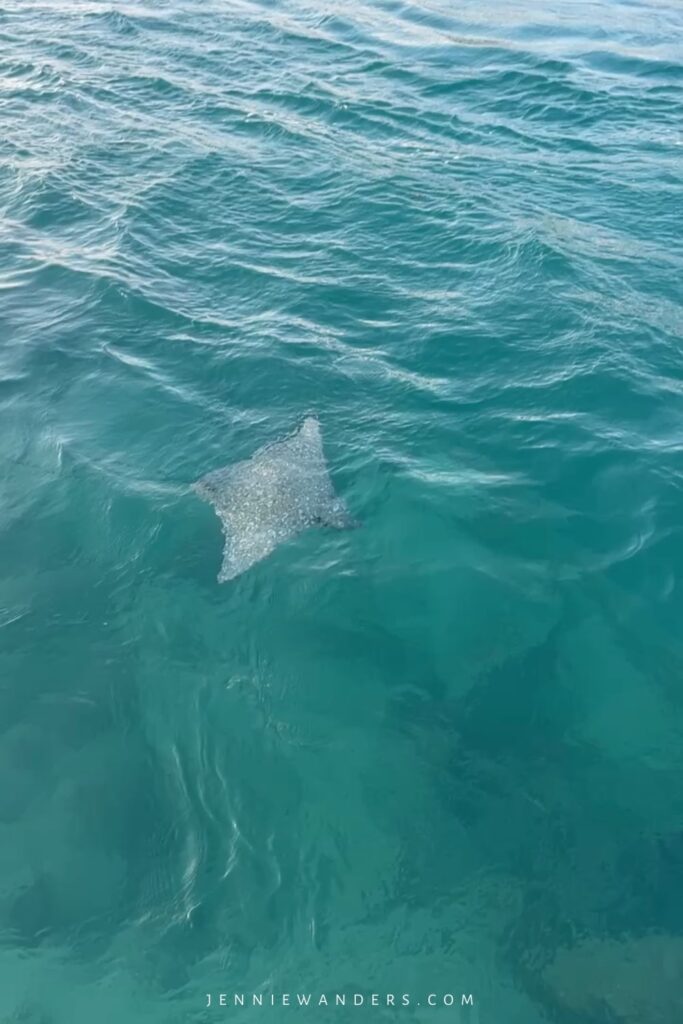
(283, 489)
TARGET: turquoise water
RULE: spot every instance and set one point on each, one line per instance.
(440, 753)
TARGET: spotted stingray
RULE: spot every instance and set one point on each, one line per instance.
(283, 489)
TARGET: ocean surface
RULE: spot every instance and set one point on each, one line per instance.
(441, 753)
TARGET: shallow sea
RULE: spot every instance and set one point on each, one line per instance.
(440, 753)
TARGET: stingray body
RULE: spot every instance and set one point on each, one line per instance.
(281, 490)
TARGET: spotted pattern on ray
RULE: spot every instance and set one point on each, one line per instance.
(282, 489)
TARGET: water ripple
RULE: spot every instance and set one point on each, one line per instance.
(456, 235)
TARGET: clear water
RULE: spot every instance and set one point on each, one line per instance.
(441, 752)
